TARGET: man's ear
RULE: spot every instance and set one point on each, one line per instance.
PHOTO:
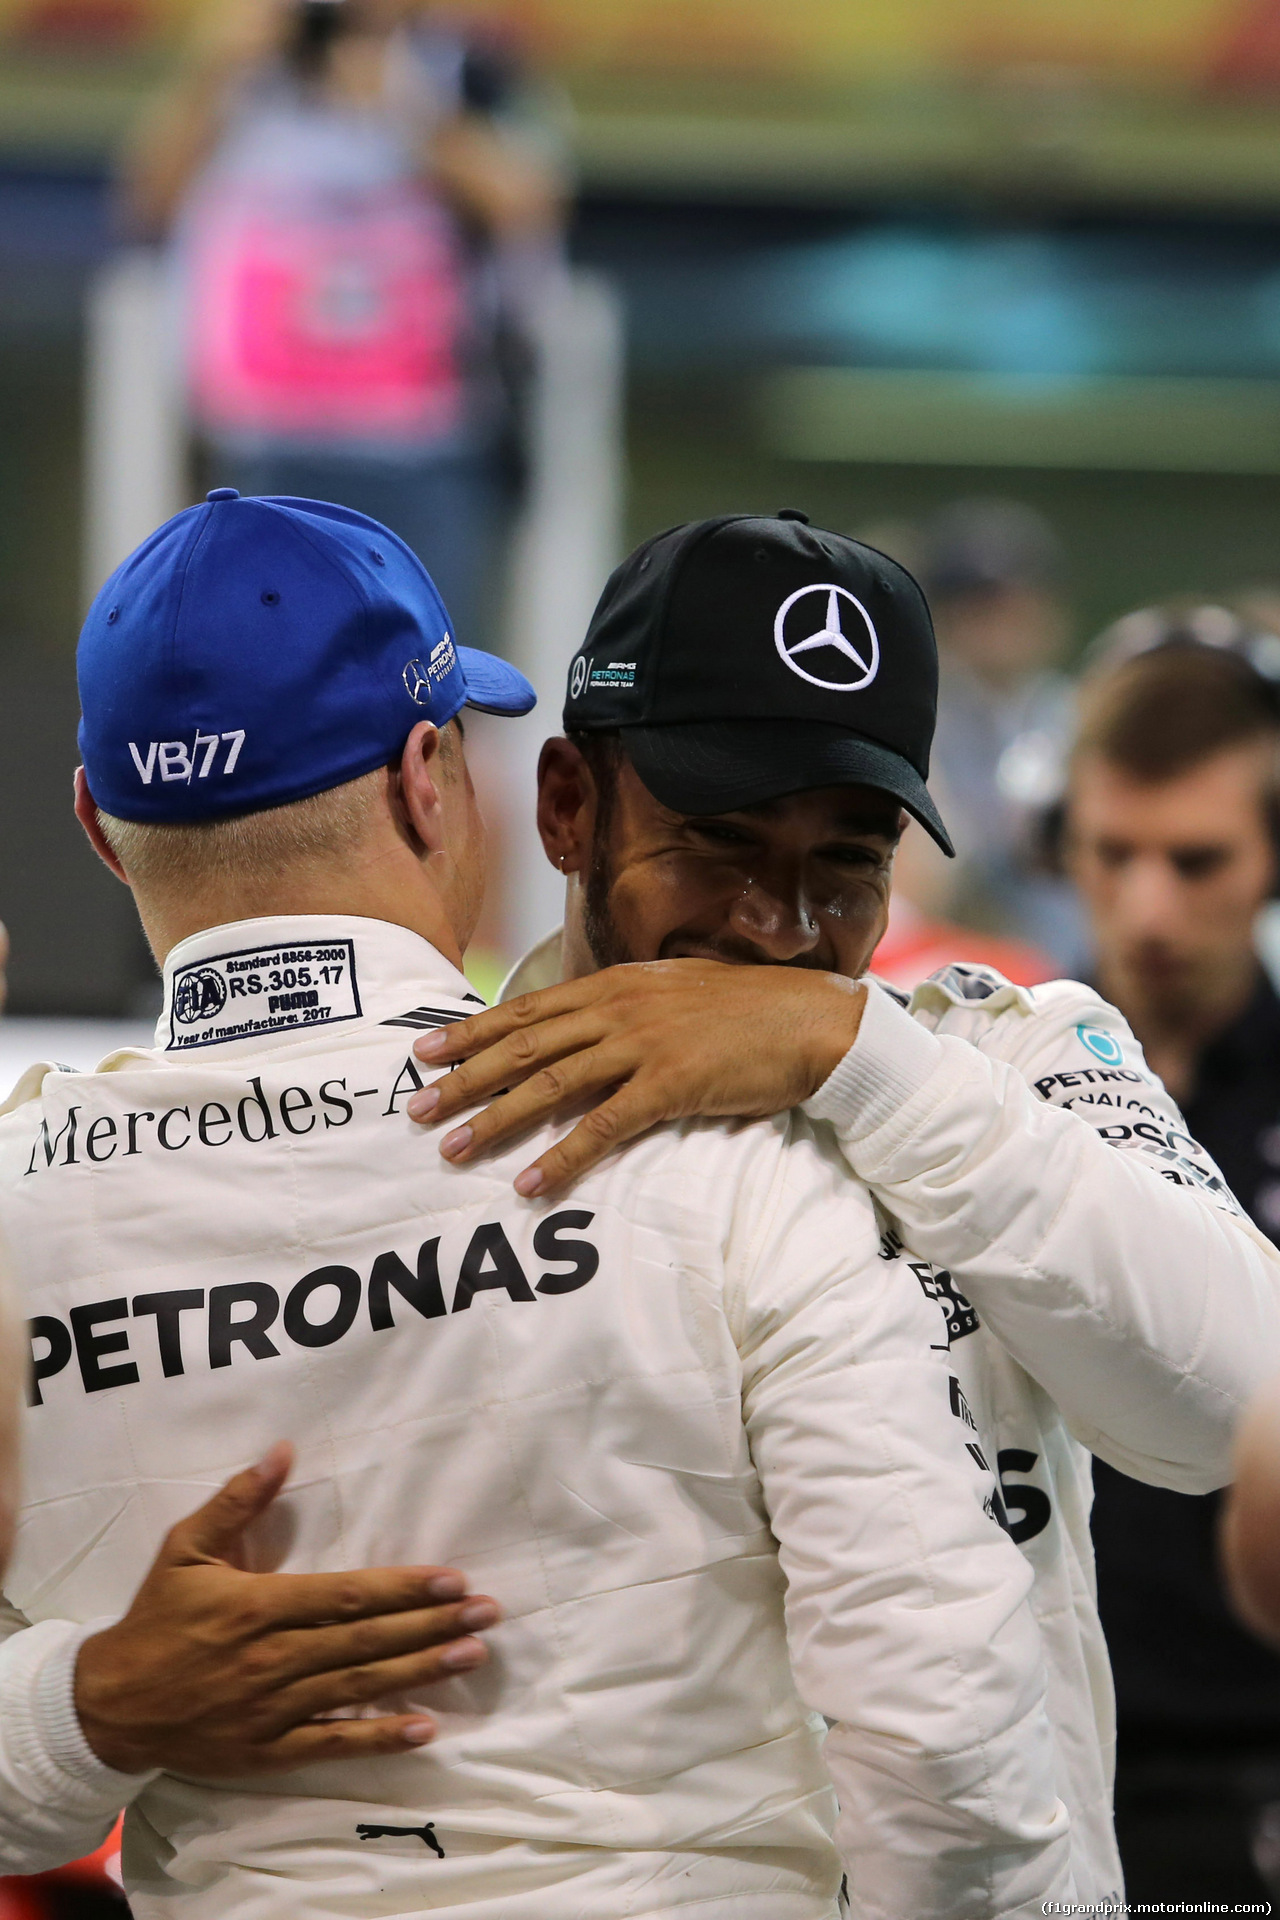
(421, 811)
(87, 815)
(566, 806)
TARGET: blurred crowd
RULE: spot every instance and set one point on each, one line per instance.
(360, 201)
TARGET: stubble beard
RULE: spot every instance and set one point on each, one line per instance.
(598, 924)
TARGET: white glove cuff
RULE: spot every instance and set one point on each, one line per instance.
(43, 1731)
(890, 1061)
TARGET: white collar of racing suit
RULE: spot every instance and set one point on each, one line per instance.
(542, 966)
(287, 977)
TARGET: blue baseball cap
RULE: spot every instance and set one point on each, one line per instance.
(257, 651)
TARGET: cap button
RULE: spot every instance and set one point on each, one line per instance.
(224, 493)
(794, 513)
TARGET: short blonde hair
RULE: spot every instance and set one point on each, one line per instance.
(251, 847)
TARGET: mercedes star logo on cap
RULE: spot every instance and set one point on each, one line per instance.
(417, 682)
(795, 633)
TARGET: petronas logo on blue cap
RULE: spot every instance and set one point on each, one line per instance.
(444, 658)
(421, 678)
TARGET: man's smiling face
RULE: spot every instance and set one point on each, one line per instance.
(1173, 874)
(801, 881)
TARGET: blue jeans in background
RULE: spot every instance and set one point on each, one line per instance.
(455, 513)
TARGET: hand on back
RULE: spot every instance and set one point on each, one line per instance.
(216, 1672)
(643, 1044)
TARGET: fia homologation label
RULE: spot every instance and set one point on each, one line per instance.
(262, 990)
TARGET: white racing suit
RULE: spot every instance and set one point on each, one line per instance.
(701, 1439)
(1099, 1289)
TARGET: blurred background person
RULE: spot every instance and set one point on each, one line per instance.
(991, 570)
(1170, 837)
(362, 209)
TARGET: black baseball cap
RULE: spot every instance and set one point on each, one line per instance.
(747, 657)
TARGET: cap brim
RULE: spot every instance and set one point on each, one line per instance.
(493, 685)
(720, 766)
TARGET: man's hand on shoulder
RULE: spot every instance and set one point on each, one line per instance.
(666, 1040)
(216, 1672)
